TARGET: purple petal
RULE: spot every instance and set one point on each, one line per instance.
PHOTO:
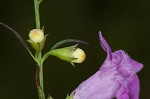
(115, 78)
(105, 45)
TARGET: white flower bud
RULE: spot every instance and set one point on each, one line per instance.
(36, 35)
(79, 56)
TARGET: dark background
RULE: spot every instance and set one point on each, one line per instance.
(124, 23)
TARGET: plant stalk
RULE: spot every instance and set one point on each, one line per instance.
(37, 14)
(40, 85)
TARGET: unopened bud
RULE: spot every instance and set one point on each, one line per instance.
(36, 35)
(37, 39)
(70, 54)
(79, 56)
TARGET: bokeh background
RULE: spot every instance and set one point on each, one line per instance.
(124, 23)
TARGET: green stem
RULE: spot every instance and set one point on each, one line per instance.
(39, 55)
(37, 15)
(41, 85)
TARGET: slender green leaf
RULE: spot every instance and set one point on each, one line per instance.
(68, 41)
(19, 37)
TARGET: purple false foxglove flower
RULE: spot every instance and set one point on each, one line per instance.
(116, 78)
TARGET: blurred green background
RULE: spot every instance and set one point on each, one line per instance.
(124, 23)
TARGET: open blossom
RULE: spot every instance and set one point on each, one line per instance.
(116, 78)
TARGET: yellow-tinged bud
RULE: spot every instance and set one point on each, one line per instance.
(79, 56)
(37, 39)
(70, 54)
(36, 35)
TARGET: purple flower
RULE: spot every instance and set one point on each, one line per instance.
(116, 78)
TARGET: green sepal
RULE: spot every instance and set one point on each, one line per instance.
(70, 97)
(40, 1)
(42, 43)
(38, 46)
(49, 97)
(34, 45)
(65, 53)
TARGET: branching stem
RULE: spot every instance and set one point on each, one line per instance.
(40, 86)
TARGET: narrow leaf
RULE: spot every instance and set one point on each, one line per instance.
(19, 37)
(68, 41)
